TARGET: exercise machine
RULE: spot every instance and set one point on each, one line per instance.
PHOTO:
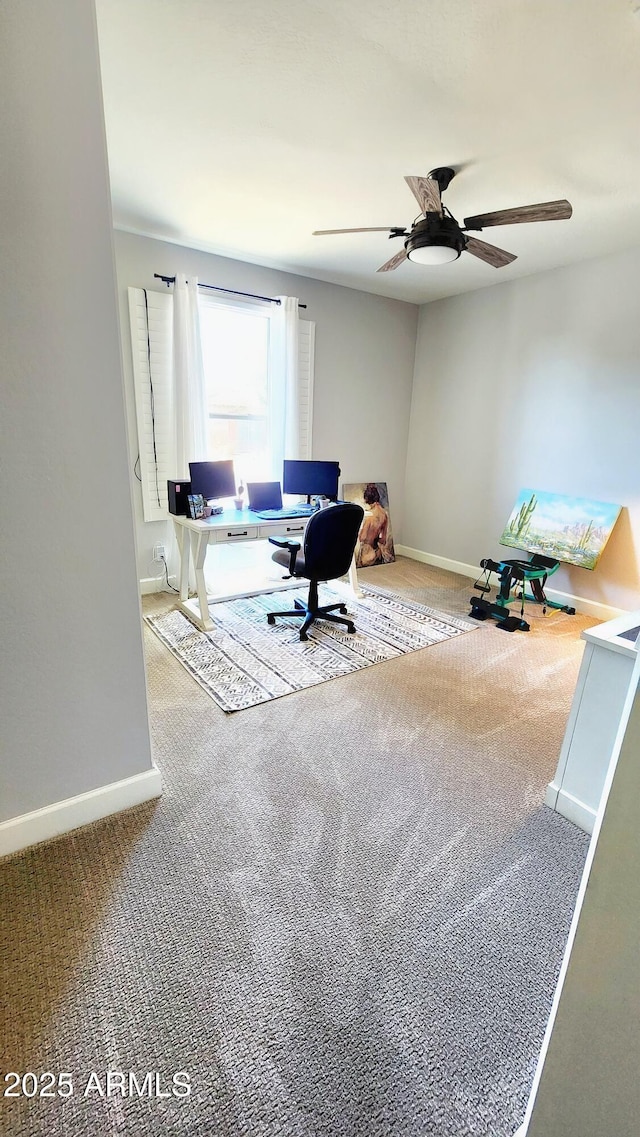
(515, 575)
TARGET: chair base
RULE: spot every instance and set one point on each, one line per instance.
(313, 612)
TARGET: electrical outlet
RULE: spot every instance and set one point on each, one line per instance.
(159, 552)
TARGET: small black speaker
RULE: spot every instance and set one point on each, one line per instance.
(178, 492)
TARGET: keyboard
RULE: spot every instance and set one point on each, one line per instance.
(285, 513)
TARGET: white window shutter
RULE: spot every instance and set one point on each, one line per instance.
(151, 315)
(306, 344)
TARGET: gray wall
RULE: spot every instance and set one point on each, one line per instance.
(589, 1083)
(532, 383)
(364, 360)
(75, 713)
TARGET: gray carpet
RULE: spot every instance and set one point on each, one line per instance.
(345, 916)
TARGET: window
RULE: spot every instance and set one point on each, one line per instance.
(235, 355)
(235, 347)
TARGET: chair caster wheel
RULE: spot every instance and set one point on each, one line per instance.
(271, 619)
(303, 636)
(351, 628)
(343, 609)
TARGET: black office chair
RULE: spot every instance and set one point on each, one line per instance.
(329, 541)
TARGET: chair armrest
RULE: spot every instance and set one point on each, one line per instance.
(285, 543)
(292, 546)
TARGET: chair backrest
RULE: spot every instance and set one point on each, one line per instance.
(329, 540)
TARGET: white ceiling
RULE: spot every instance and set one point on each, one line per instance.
(239, 126)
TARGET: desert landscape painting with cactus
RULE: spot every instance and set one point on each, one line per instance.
(570, 529)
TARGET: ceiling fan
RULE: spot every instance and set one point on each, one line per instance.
(435, 237)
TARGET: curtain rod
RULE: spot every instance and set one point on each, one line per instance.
(232, 291)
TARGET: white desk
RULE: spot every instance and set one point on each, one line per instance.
(229, 527)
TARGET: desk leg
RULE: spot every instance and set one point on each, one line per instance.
(199, 543)
(353, 577)
(184, 547)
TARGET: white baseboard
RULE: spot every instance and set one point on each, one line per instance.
(63, 816)
(150, 584)
(570, 807)
(581, 604)
(472, 571)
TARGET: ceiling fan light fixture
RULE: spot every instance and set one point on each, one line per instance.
(435, 242)
(433, 254)
(436, 238)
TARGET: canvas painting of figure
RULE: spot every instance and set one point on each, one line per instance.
(375, 539)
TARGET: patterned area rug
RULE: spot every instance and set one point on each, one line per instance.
(245, 661)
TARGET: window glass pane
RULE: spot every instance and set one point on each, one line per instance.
(235, 353)
(246, 441)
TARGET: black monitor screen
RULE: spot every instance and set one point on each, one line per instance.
(311, 478)
(264, 495)
(212, 479)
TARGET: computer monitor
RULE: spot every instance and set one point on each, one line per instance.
(212, 479)
(311, 478)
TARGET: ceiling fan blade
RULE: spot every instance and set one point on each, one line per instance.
(426, 192)
(394, 262)
(491, 254)
(545, 211)
(326, 232)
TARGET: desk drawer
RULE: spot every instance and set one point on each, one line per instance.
(237, 533)
(293, 529)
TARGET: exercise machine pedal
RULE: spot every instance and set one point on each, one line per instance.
(481, 609)
(477, 612)
(514, 624)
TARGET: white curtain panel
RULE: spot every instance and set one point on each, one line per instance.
(191, 411)
(189, 395)
(284, 413)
